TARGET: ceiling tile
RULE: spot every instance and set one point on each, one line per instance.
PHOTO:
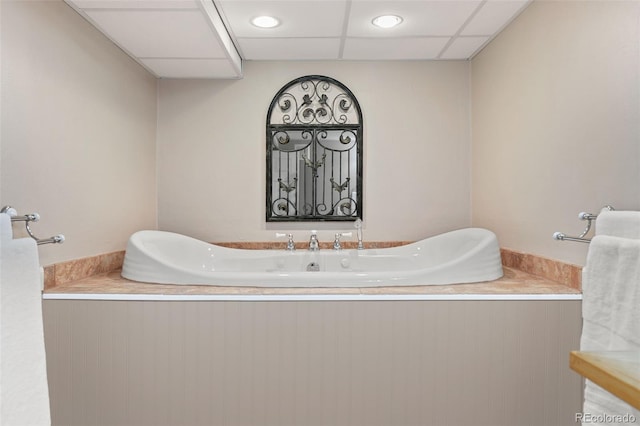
(394, 48)
(463, 47)
(420, 18)
(135, 4)
(299, 18)
(191, 68)
(147, 33)
(289, 48)
(493, 16)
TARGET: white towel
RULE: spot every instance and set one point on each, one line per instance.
(6, 232)
(618, 223)
(611, 311)
(24, 393)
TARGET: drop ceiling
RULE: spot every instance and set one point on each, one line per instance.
(209, 39)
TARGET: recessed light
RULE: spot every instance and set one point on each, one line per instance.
(387, 21)
(265, 22)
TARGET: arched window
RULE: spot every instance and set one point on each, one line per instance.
(314, 152)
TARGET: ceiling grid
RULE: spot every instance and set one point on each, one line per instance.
(211, 38)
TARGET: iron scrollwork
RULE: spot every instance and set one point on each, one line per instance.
(314, 152)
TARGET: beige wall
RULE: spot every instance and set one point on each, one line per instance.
(555, 123)
(78, 131)
(211, 150)
(553, 101)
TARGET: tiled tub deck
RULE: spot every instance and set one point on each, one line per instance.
(524, 274)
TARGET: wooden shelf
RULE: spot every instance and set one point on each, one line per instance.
(616, 371)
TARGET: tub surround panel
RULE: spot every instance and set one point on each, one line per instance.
(374, 363)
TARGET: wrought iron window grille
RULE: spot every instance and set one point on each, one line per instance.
(314, 152)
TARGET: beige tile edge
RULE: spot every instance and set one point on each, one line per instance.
(76, 269)
(73, 270)
(563, 273)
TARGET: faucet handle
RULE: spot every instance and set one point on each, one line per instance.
(336, 242)
(290, 244)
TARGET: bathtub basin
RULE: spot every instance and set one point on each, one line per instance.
(463, 256)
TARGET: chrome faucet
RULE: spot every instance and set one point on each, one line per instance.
(314, 245)
(291, 246)
(336, 241)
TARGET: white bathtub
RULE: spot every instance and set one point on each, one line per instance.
(462, 256)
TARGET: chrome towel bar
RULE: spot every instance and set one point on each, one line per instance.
(589, 217)
(32, 217)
